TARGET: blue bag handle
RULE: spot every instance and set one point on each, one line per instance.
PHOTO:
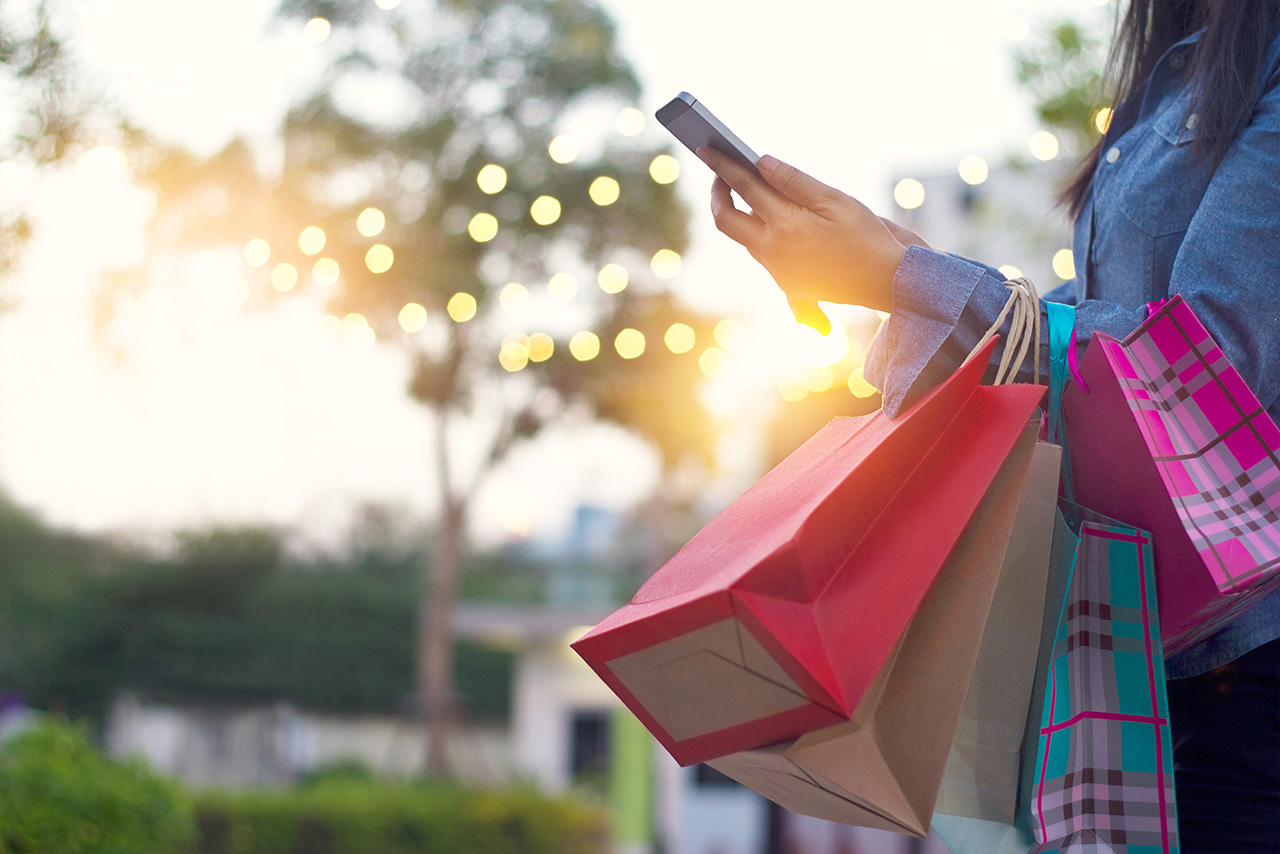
(1062, 325)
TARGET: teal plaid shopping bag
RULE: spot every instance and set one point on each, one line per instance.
(1104, 766)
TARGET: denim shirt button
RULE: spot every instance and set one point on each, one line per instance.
(1113, 155)
(1178, 61)
(1193, 120)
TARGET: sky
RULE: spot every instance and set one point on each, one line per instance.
(226, 416)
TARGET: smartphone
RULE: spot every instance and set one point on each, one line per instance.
(696, 126)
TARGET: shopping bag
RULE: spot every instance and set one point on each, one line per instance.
(1104, 765)
(1170, 439)
(774, 620)
(883, 768)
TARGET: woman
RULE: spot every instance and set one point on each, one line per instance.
(1182, 196)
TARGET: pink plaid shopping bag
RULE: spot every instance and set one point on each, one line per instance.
(1167, 436)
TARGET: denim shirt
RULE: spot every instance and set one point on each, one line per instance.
(1155, 223)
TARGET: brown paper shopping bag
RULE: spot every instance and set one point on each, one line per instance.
(883, 768)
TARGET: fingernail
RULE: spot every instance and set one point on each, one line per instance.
(702, 153)
(768, 163)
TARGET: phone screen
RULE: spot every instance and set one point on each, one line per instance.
(696, 126)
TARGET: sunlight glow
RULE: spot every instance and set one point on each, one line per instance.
(973, 170)
(613, 278)
(545, 210)
(809, 347)
(664, 169)
(629, 343)
(665, 263)
(858, 385)
(541, 347)
(584, 345)
(793, 389)
(512, 295)
(562, 287)
(712, 361)
(386, 4)
(256, 252)
(680, 338)
(491, 179)
(729, 333)
(325, 272)
(284, 277)
(1064, 264)
(1016, 27)
(909, 194)
(563, 149)
(483, 227)
(819, 378)
(604, 191)
(630, 122)
(311, 241)
(371, 222)
(102, 162)
(461, 307)
(413, 317)
(330, 329)
(1044, 145)
(316, 30)
(379, 258)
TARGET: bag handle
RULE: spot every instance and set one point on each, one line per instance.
(1024, 331)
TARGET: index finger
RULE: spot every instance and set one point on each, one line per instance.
(745, 182)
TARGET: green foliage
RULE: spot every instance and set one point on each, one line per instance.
(1063, 72)
(59, 793)
(352, 816)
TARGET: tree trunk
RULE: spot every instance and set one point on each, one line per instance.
(435, 674)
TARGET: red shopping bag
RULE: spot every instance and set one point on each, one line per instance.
(775, 618)
(1167, 437)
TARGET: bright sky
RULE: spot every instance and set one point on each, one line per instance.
(227, 415)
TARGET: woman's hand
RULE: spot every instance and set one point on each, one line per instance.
(816, 242)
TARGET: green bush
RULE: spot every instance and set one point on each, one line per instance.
(59, 793)
(354, 816)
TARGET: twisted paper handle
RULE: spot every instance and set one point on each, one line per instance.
(1024, 331)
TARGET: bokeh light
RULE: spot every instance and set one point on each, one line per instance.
(665, 263)
(379, 258)
(541, 347)
(908, 193)
(613, 278)
(604, 191)
(584, 346)
(729, 333)
(239, 291)
(311, 241)
(630, 122)
(461, 307)
(629, 343)
(513, 295)
(330, 329)
(664, 169)
(325, 273)
(973, 169)
(371, 222)
(1064, 264)
(680, 338)
(483, 227)
(562, 287)
(712, 361)
(514, 353)
(819, 378)
(491, 179)
(284, 277)
(545, 210)
(316, 30)
(256, 252)
(793, 388)
(356, 331)
(413, 317)
(563, 149)
(1044, 145)
(858, 385)
(386, 4)
(1010, 272)
(1102, 120)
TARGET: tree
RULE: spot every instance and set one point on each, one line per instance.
(431, 175)
(1063, 71)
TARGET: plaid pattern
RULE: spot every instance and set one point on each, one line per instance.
(1104, 770)
(1214, 445)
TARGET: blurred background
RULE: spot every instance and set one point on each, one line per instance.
(357, 355)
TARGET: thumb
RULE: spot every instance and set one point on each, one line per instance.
(803, 189)
(810, 314)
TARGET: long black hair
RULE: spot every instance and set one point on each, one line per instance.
(1222, 73)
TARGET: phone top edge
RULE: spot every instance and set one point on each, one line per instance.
(673, 108)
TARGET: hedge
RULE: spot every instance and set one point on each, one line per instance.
(352, 817)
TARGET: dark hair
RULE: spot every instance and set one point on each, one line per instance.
(1222, 72)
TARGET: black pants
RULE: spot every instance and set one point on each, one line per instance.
(1226, 755)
